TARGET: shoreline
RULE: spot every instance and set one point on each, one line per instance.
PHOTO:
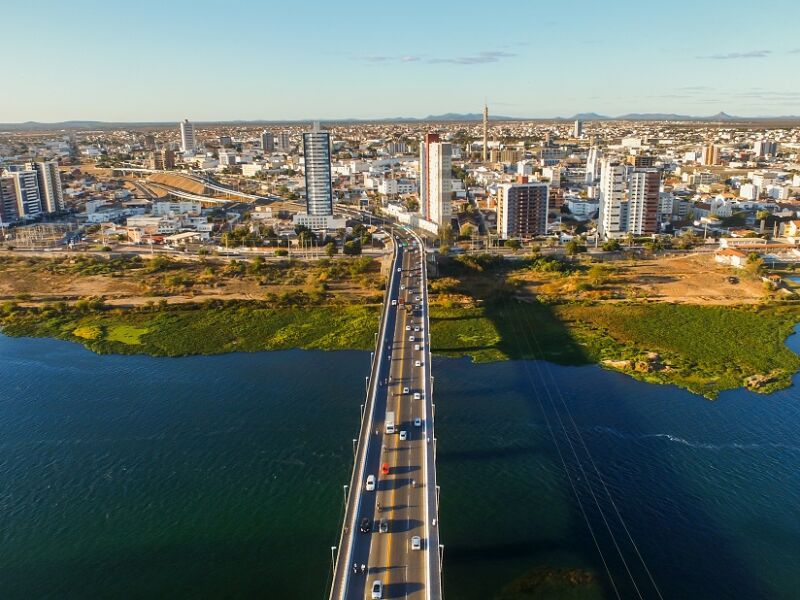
(567, 334)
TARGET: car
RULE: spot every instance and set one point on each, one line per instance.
(417, 396)
(416, 328)
(411, 338)
(417, 363)
(416, 346)
(377, 590)
(417, 298)
(402, 287)
(417, 423)
(405, 390)
(408, 327)
(383, 526)
(365, 526)
(399, 269)
(370, 487)
(394, 302)
(385, 468)
(416, 543)
(403, 435)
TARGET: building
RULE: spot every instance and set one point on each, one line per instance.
(282, 142)
(593, 161)
(612, 191)
(485, 148)
(188, 140)
(642, 161)
(522, 209)
(168, 158)
(49, 181)
(577, 130)
(317, 158)
(227, 158)
(764, 148)
(435, 174)
(225, 140)
(710, 154)
(267, 141)
(26, 193)
(643, 200)
(156, 161)
(8, 200)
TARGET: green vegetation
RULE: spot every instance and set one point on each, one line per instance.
(208, 328)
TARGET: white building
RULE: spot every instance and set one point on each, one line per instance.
(612, 191)
(178, 207)
(50, 190)
(267, 141)
(188, 140)
(26, 192)
(227, 158)
(435, 185)
(317, 159)
(593, 161)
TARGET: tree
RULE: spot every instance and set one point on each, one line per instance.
(573, 247)
(611, 245)
(466, 230)
(352, 248)
(331, 249)
(281, 252)
(755, 264)
(513, 244)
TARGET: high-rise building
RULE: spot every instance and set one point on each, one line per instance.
(435, 179)
(49, 181)
(26, 193)
(485, 131)
(765, 148)
(282, 142)
(643, 200)
(168, 158)
(227, 158)
(593, 164)
(577, 130)
(8, 200)
(522, 209)
(188, 140)
(612, 191)
(642, 161)
(225, 140)
(156, 161)
(317, 158)
(149, 141)
(267, 141)
(710, 154)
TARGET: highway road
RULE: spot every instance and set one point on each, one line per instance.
(402, 462)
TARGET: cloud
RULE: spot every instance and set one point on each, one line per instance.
(474, 59)
(735, 55)
(795, 51)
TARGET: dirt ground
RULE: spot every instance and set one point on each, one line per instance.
(688, 279)
(692, 279)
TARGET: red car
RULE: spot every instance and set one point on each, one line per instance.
(385, 468)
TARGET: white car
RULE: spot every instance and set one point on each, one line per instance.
(377, 590)
(417, 298)
(394, 302)
(417, 363)
(416, 543)
(416, 346)
(408, 327)
(417, 423)
(403, 435)
(411, 338)
(405, 390)
(402, 287)
(370, 487)
(416, 328)
(417, 396)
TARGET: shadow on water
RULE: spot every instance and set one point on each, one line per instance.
(536, 331)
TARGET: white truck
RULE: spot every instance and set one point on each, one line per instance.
(389, 421)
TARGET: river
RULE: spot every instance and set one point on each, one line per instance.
(221, 476)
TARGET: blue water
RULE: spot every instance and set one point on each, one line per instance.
(138, 477)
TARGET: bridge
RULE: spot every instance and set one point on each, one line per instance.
(391, 523)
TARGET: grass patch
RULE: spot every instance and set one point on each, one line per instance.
(202, 328)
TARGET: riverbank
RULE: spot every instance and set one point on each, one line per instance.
(214, 327)
(705, 349)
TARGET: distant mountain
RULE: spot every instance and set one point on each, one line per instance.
(447, 117)
(590, 116)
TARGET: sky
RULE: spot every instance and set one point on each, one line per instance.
(165, 60)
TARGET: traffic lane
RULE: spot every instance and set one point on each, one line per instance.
(362, 546)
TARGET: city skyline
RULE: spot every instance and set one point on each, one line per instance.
(379, 64)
